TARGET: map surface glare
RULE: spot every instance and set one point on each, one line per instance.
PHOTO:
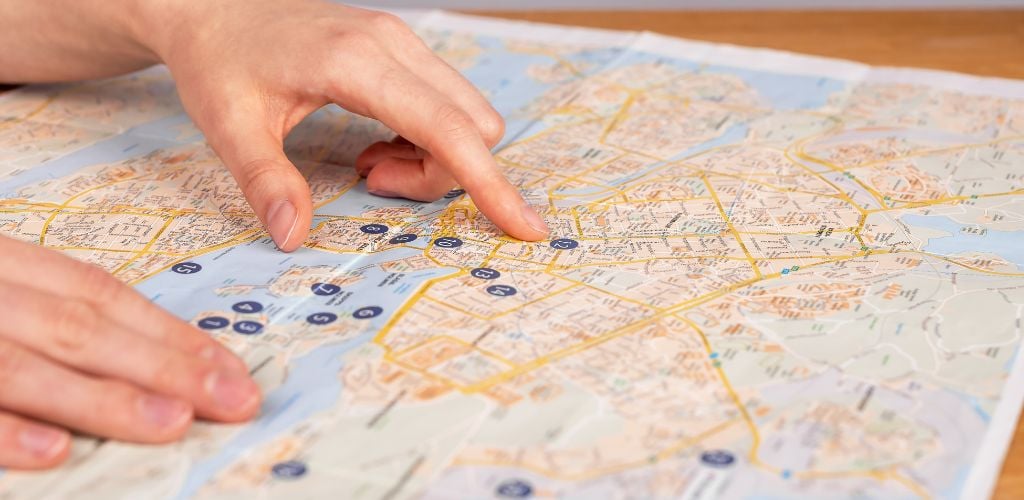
(769, 275)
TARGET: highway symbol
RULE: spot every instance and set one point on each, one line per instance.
(322, 318)
(564, 244)
(501, 290)
(485, 273)
(213, 322)
(247, 327)
(247, 307)
(367, 312)
(402, 238)
(186, 268)
(292, 469)
(325, 289)
(374, 229)
(717, 458)
(514, 488)
(448, 242)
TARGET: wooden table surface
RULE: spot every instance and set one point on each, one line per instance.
(987, 43)
(982, 42)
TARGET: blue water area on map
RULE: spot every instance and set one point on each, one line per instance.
(503, 76)
(976, 406)
(785, 92)
(312, 386)
(1007, 244)
(357, 201)
(732, 135)
(258, 263)
(780, 91)
(136, 142)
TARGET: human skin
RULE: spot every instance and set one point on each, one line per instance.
(79, 351)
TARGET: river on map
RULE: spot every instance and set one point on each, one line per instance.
(137, 141)
(1007, 244)
(312, 384)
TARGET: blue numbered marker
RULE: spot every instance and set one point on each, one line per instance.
(247, 327)
(717, 458)
(323, 318)
(403, 238)
(514, 488)
(485, 273)
(247, 307)
(564, 244)
(186, 268)
(213, 322)
(455, 193)
(292, 469)
(501, 290)
(448, 242)
(325, 288)
(374, 229)
(367, 312)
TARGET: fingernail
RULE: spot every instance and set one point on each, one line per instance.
(42, 442)
(281, 221)
(231, 392)
(384, 194)
(534, 220)
(163, 412)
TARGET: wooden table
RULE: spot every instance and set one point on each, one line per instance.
(981, 42)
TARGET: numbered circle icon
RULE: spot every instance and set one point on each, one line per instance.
(213, 322)
(717, 458)
(448, 242)
(186, 268)
(322, 318)
(564, 244)
(367, 312)
(292, 469)
(402, 238)
(501, 290)
(247, 327)
(374, 229)
(514, 488)
(325, 289)
(455, 193)
(485, 273)
(247, 307)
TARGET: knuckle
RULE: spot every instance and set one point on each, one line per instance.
(351, 42)
(259, 177)
(168, 374)
(74, 326)
(387, 23)
(12, 359)
(103, 288)
(393, 78)
(455, 124)
(117, 399)
(492, 127)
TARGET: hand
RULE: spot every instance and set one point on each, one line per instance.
(249, 70)
(80, 351)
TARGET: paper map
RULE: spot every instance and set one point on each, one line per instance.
(770, 275)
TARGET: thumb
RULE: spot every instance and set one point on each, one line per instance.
(274, 188)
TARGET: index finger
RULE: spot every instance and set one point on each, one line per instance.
(426, 117)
